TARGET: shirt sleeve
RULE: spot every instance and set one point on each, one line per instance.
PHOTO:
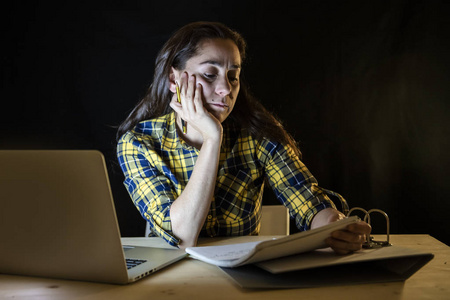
(149, 188)
(294, 185)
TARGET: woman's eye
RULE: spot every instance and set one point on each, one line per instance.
(233, 79)
(213, 76)
(210, 76)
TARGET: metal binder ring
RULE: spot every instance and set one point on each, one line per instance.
(366, 219)
(371, 243)
(380, 243)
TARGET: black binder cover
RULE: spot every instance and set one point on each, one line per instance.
(386, 264)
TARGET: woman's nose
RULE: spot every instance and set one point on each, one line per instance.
(223, 87)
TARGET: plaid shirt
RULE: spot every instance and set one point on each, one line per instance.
(157, 165)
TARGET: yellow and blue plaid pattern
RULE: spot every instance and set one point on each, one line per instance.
(157, 165)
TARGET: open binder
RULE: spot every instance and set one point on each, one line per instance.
(380, 261)
(325, 268)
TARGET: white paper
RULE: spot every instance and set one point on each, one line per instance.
(244, 253)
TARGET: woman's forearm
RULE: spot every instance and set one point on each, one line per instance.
(188, 212)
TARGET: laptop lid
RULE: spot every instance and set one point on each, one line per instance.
(58, 219)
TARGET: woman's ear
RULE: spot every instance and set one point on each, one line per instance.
(174, 74)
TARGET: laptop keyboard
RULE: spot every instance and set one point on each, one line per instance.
(131, 262)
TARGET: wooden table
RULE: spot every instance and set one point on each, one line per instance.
(192, 279)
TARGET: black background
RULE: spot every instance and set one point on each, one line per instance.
(362, 85)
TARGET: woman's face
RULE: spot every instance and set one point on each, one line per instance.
(217, 67)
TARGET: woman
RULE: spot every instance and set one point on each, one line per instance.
(197, 167)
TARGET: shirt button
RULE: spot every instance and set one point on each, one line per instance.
(209, 217)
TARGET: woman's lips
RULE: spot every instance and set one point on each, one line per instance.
(219, 105)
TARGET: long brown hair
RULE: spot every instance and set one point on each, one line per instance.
(181, 46)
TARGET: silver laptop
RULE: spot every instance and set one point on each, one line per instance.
(57, 220)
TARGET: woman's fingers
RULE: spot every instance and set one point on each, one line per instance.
(187, 89)
(198, 102)
(189, 95)
(350, 239)
(191, 109)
